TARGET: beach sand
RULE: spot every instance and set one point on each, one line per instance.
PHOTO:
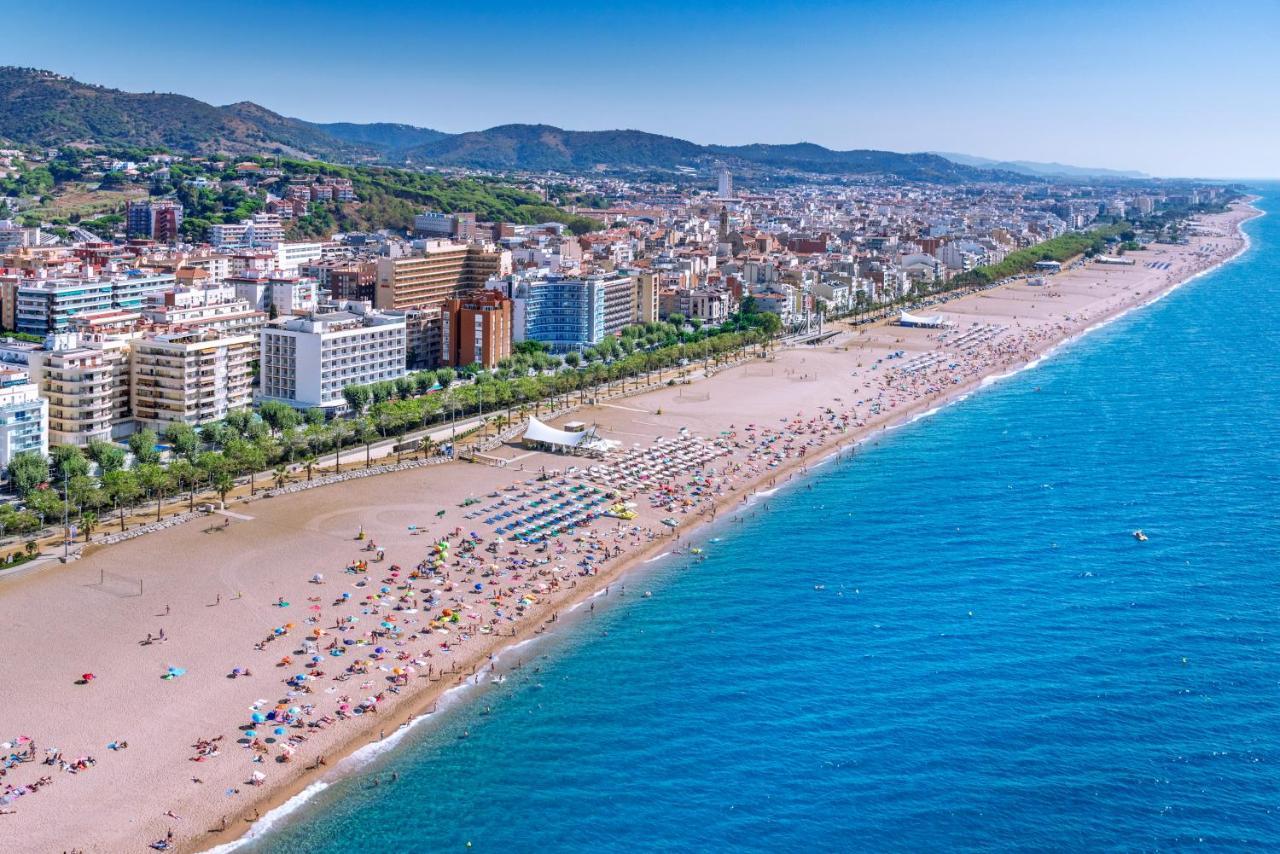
(217, 593)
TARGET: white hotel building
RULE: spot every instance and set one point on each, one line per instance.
(306, 362)
(24, 416)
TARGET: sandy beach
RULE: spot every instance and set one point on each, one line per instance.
(232, 666)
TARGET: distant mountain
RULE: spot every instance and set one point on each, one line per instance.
(538, 147)
(392, 139)
(1041, 170)
(43, 108)
(542, 147)
(808, 157)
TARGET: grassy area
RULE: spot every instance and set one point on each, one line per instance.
(1061, 248)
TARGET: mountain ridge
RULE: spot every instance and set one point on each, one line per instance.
(1041, 169)
(45, 108)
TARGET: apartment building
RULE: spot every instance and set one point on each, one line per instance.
(42, 306)
(476, 330)
(646, 293)
(262, 229)
(459, 226)
(344, 280)
(619, 300)
(283, 294)
(291, 256)
(24, 415)
(190, 377)
(131, 290)
(230, 317)
(440, 270)
(306, 362)
(563, 313)
(158, 219)
(86, 381)
(423, 337)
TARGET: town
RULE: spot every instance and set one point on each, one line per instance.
(138, 335)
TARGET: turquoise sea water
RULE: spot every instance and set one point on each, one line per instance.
(994, 661)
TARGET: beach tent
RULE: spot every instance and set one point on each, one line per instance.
(540, 435)
(931, 322)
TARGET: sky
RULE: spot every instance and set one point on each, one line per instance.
(1170, 88)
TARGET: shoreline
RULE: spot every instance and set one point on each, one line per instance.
(276, 804)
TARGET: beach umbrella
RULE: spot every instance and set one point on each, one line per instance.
(279, 730)
(250, 733)
(88, 677)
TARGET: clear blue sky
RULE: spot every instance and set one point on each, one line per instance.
(1171, 88)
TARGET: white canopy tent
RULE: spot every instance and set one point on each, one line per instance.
(574, 442)
(933, 321)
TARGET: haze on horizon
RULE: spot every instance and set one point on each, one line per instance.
(1165, 88)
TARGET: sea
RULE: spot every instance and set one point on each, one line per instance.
(951, 641)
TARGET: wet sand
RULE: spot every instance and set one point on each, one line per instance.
(216, 593)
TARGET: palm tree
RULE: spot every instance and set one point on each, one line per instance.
(366, 433)
(223, 483)
(310, 462)
(281, 475)
(88, 521)
(339, 434)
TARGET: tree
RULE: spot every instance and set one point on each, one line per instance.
(281, 476)
(572, 359)
(216, 435)
(240, 421)
(27, 470)
(357, 397)
(68, 461)
(45, 503)
(280, 417)
(309, 461)
(154, 481)
(223, 483)
(365, 432)
(109, 456)
(88, 522)
(339, 433)
(143, 445)
(250, 458)
(121, 487)
(186, 475)
(183, 439)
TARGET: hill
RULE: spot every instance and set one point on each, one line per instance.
(543, 147)
(43, 108)
(389, 138)
(1042, 170)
